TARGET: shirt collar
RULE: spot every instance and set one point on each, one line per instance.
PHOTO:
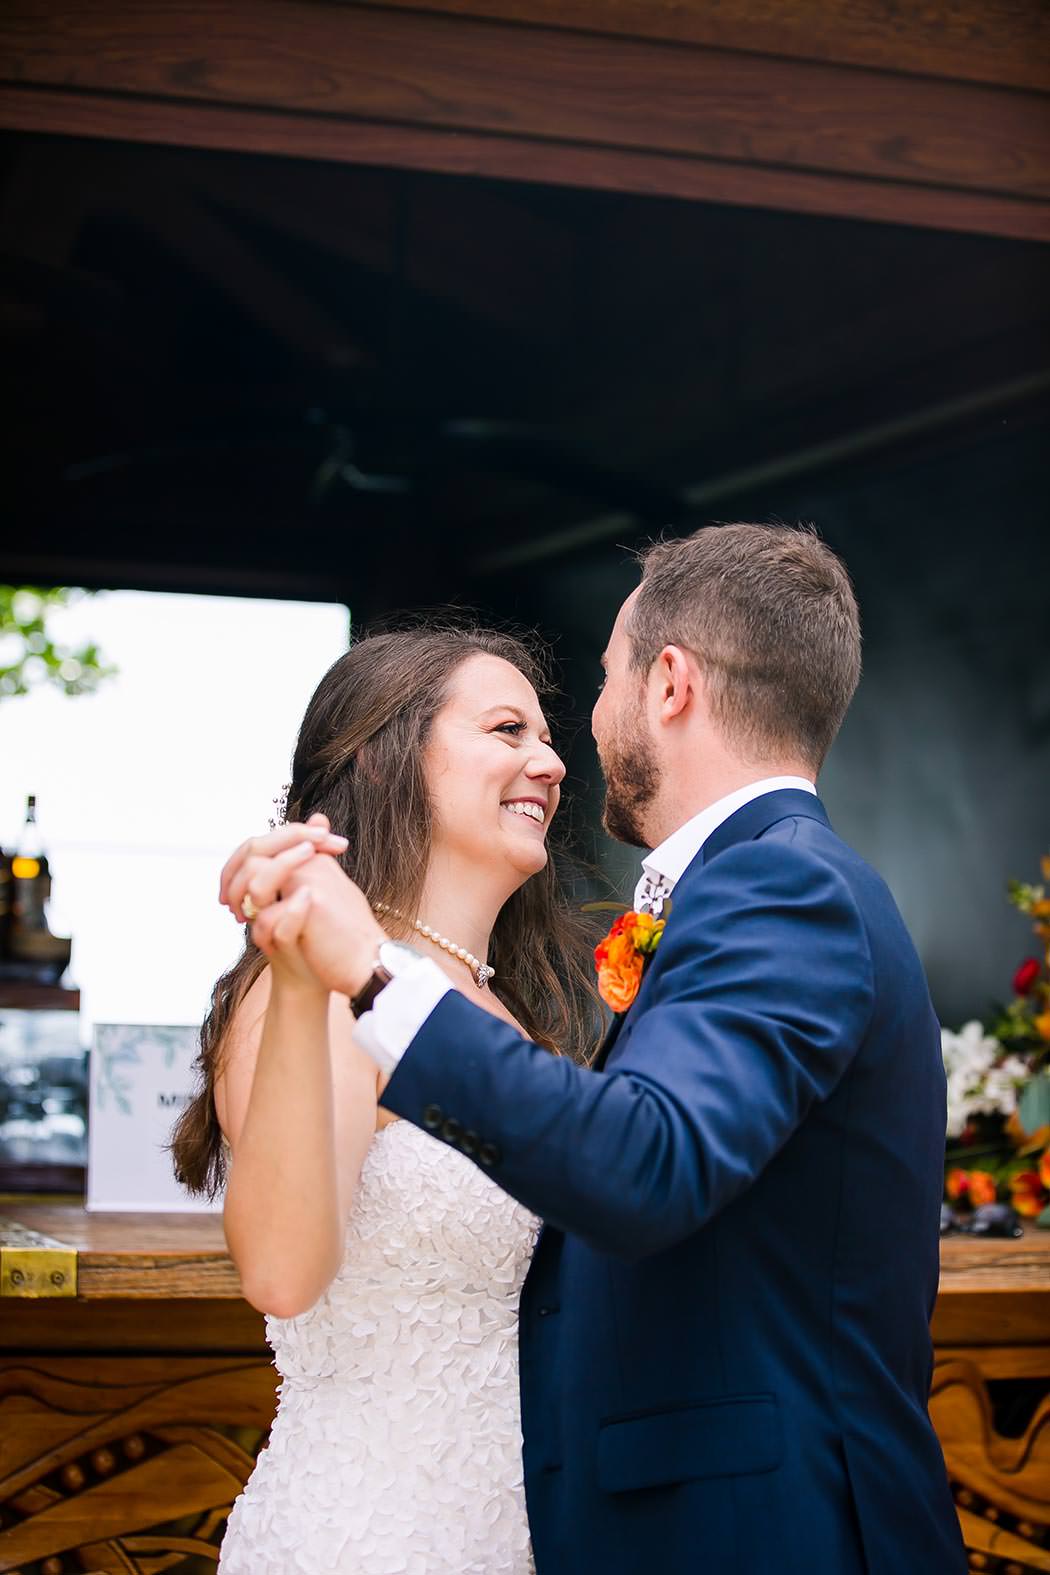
(667, 863)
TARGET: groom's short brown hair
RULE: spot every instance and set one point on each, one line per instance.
(769, 612)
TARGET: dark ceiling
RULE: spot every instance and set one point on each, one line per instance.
(260, 375)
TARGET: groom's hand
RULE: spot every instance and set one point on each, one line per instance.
(341, 934)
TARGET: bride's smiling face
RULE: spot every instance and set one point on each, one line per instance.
(492, 771)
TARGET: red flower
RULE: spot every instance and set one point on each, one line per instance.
(1027, 1194)
(1026, 975)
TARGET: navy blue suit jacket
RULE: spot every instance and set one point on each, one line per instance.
(725, 1350)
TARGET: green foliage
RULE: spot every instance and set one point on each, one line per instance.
(29, 657)
(1023, 895)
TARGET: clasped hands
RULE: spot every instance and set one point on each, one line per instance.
(309, 918)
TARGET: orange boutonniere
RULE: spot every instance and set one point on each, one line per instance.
(620, 957)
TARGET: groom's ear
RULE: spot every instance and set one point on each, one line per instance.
(676, 676)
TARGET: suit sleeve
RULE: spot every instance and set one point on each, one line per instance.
(760, 998)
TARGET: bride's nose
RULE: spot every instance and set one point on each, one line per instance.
(545, 766)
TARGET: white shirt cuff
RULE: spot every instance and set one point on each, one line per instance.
(400, 1010)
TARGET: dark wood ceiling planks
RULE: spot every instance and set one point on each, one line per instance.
(1002, 41)
(936, 115)
(243, 303)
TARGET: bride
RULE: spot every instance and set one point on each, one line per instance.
(389, 1266)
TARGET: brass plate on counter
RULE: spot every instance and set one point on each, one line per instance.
(32, 1264)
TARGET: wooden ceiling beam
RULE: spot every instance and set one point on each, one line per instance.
(374, 84)
(1004, 42)
(213, 250)
(448, 244)
(700, 498)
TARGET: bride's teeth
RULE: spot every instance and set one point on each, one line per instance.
(532, 810)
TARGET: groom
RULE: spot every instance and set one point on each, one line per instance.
(725, 1351)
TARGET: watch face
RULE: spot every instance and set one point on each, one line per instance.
(395, 956)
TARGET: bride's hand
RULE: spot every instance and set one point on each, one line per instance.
(338, 935)
(258, 866)
(278, 933)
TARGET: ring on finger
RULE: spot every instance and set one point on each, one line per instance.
(248, 907)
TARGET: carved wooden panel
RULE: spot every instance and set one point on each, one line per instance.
(125, 1465)
(129, 1465)
(1001, 1485)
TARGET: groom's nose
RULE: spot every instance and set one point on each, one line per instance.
(594, 715)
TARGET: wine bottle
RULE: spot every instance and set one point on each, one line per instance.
(30, 940)
(30, 849)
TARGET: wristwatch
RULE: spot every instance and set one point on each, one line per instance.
(392, 958)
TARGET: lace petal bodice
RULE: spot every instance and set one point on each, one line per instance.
(397, 1443)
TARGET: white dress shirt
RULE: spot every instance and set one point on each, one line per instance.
(665, 865)
(403, 1006)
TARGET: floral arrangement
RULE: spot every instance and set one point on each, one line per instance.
(999, 1085)
(621, 957)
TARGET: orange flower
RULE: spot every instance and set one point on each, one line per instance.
(1044, 1170)
(1026, 1193)
(620, 957)
(970, 1186)
(982, 1188)
(1042, 1024)
(620, 973)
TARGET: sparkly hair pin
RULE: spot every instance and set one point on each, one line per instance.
(281, 805)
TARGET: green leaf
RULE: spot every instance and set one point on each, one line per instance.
(1033, 1107)
(1043, 1220)
(23, 613)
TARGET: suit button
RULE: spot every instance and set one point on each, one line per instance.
(468, 1143)
(451, 1129)
(489, 1154)
(433, 1116)
(545, 1312)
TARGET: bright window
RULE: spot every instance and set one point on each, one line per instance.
(145, 788)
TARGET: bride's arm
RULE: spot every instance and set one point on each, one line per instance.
(297, 1102)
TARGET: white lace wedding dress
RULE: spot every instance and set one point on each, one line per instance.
(396, 1449)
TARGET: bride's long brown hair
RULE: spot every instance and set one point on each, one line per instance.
(359, 760)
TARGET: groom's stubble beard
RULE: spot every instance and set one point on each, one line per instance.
(632, 780)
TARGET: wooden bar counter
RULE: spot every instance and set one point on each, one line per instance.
(137, 1389)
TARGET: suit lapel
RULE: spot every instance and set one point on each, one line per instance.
(748, 822)
(608, 1042)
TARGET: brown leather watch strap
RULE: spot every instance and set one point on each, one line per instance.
(362, 1001)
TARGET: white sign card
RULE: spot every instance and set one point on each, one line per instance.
(141, 1079)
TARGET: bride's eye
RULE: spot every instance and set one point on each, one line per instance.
(516, 729)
